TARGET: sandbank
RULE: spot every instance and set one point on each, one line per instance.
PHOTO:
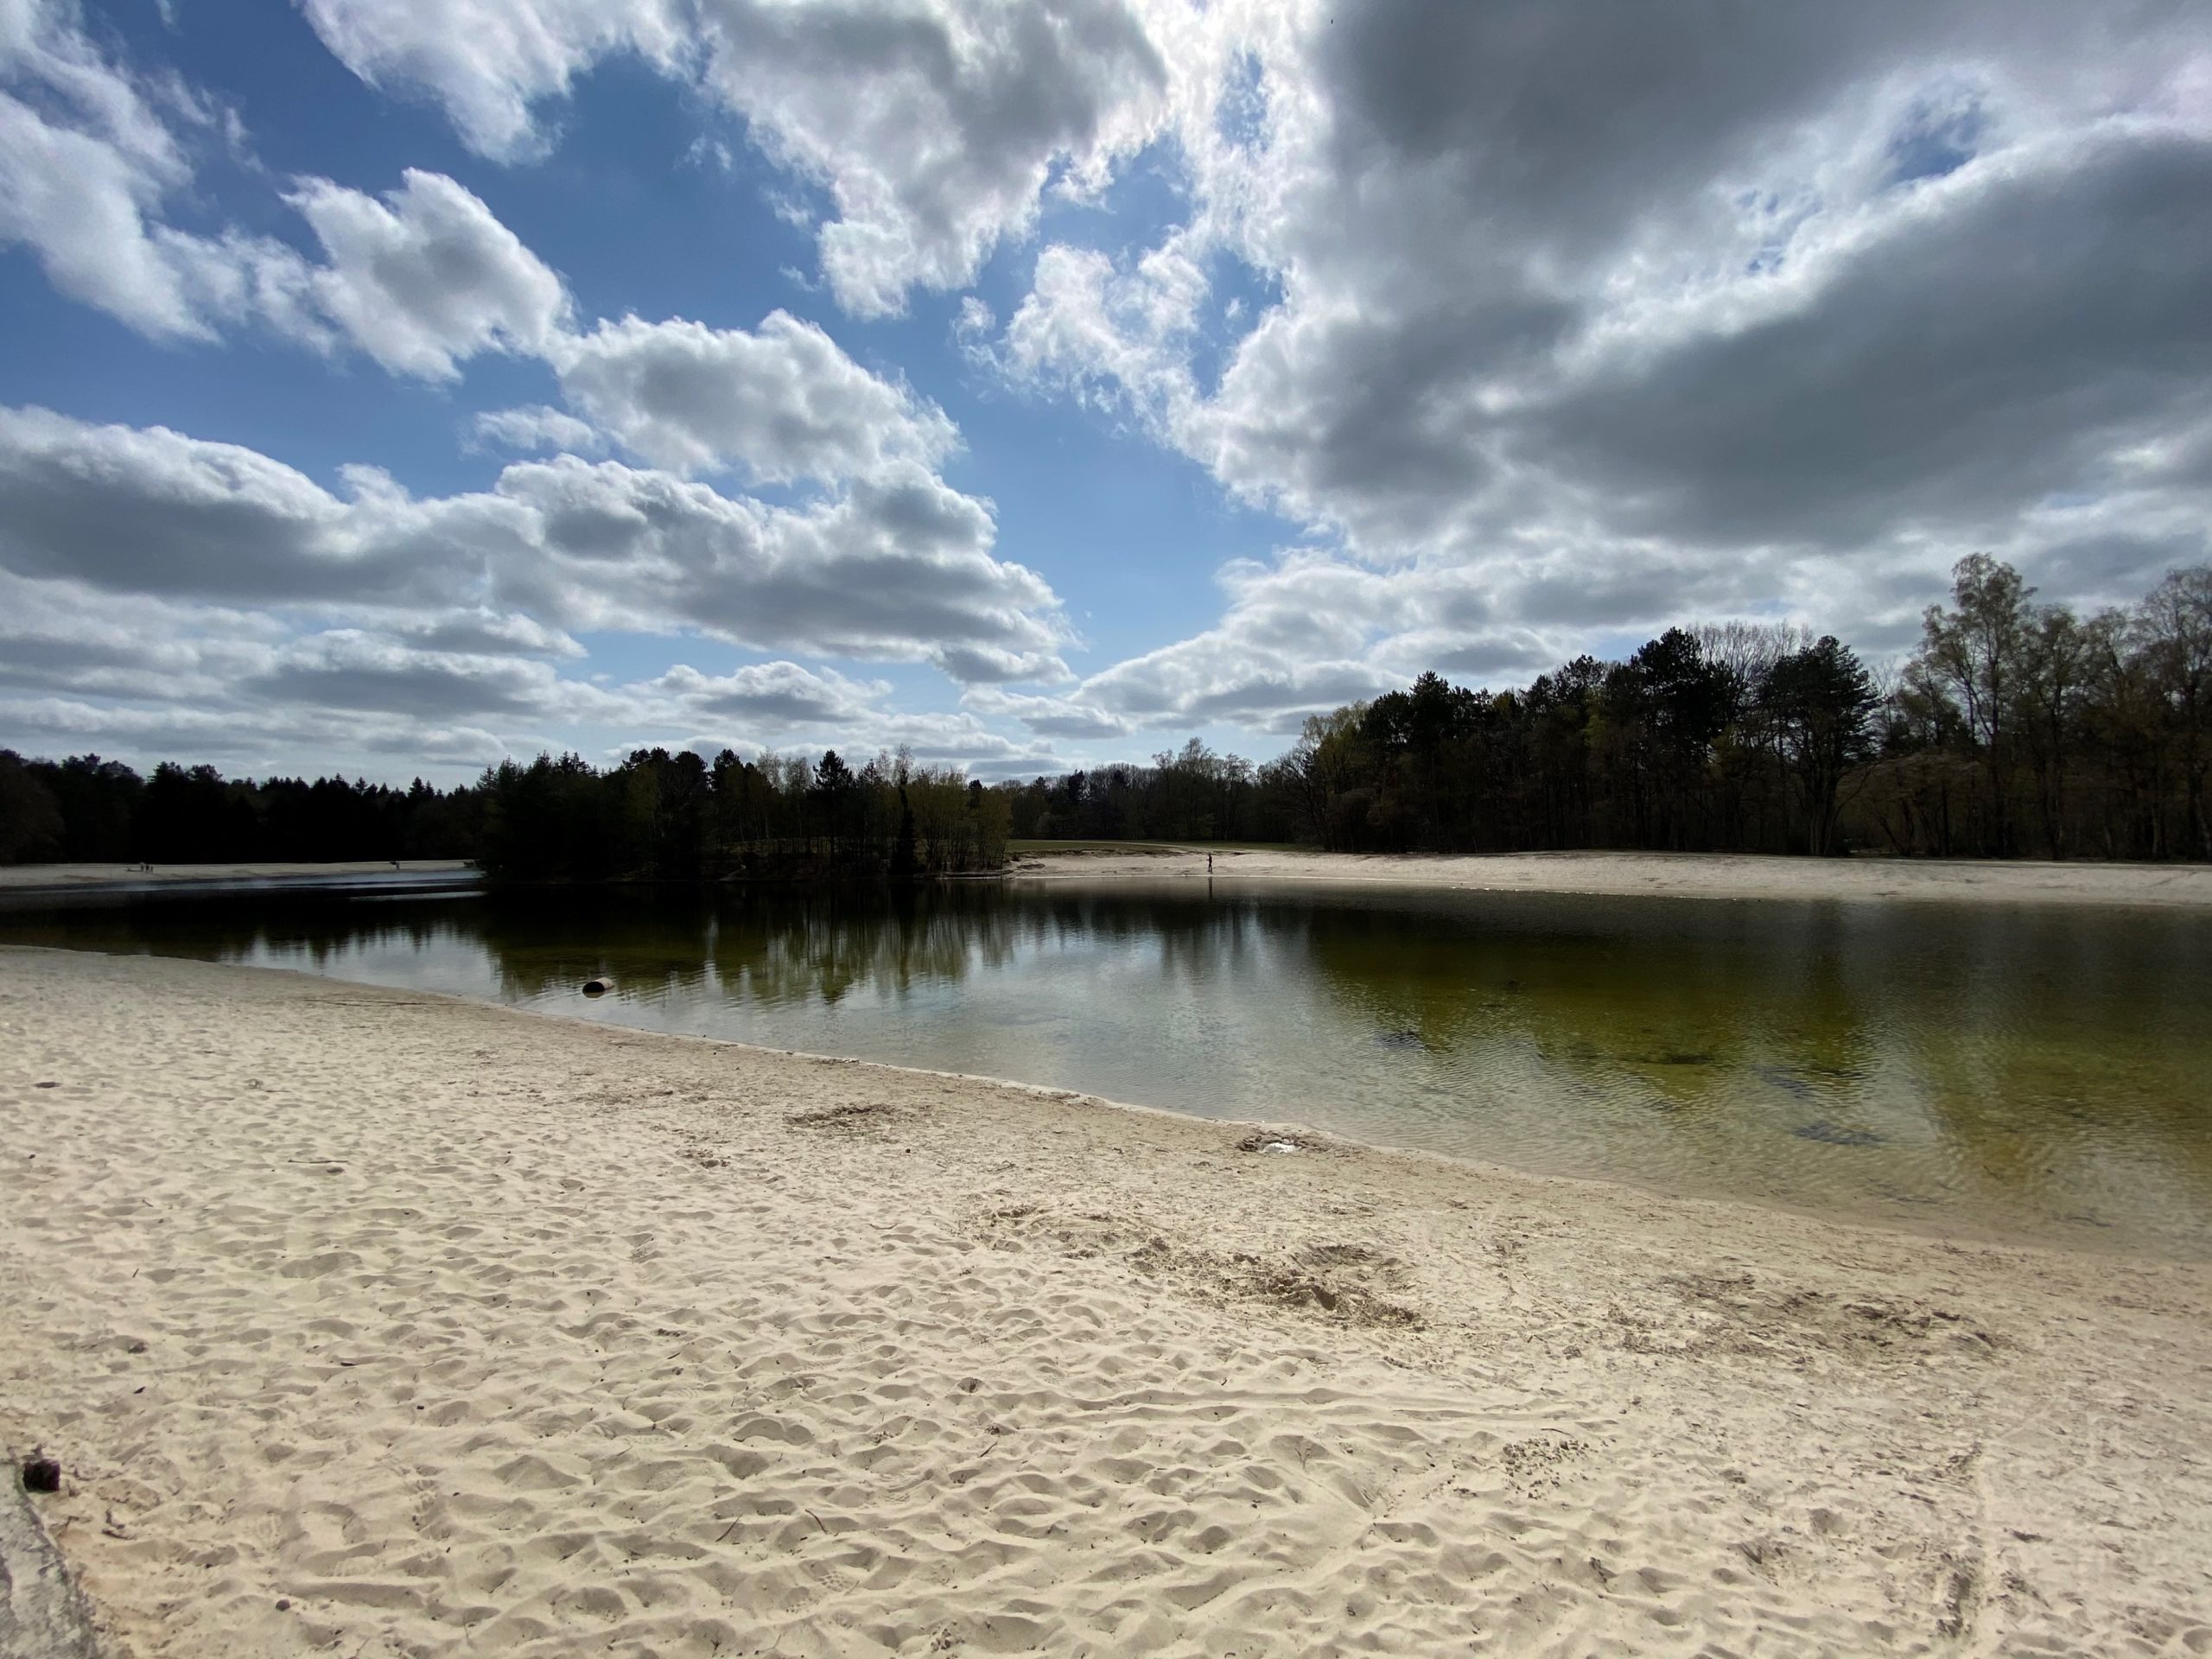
(379, 1323)
(1694, 875)
(112, 875)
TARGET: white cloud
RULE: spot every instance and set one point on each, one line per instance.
(357, 670)
(92, 156)
(489, 60)
(779, 695)
(1120, 341)
(428, 276)
(933, 126)
(534, 426)
(1542, 324)
(1070, 716)
(781, 404)
(897, 568)
(1731, 320)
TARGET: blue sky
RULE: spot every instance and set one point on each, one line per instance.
(392, 389)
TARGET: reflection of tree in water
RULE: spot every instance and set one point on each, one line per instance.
(2069, 1054)
(2020, 1052)
(321, 930)
(2047, 1061)
(1200, 940)
(1678, 998)
(780, 947)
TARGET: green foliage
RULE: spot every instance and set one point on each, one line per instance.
(2023, 728)
(663, 816)
(85, 810)
(2016, 729)
(1187, 795)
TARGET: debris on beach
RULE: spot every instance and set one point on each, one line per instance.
(41, 1473)
(1268, 1141)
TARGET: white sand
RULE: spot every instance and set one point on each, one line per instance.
(375, 1323)
(1702, 875)
(108, 875)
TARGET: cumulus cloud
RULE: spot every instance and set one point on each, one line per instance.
(781, 695)
(1587, 318)
(96, 153)
(351, 622)
(92, 154)
(258, 738)
(488, 62)
(1542, 326)
(536, 426)
(898, 567)
(933, 126)
(781, 404)
(1120, 341)
(427, 275)
(353, 669)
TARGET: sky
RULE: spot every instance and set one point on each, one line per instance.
(392, 386)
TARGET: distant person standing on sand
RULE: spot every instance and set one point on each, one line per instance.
(1208, 863)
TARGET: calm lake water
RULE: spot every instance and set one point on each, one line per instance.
(2042, 1074)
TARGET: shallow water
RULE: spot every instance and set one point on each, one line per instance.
(2036, 1073)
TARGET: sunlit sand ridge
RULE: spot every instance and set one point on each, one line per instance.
(379, 1324)
(1709, 875)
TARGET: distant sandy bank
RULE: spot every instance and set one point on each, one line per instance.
(108, 875)
(1705, 875)
(369, 1321)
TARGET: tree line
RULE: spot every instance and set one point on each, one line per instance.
(656, 816)
(2014, 729)
(677, 816)
(87, 810)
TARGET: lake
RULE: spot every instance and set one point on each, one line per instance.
(2038, 1074)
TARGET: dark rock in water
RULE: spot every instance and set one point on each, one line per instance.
(597, 988)
(42, 1474)
(1835, 1134)
(1788, 1082)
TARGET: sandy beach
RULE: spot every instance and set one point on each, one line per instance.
(111, 875)
(1695, 876)
(381, 1324)
(1708, 875)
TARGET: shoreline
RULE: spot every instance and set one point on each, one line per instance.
(1864, 879)
(32, 879)
(460, 1334)
(1900, 1228)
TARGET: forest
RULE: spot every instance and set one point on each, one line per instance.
(2015, 729)
(88, 810)
(678, 817)
(656, 816)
